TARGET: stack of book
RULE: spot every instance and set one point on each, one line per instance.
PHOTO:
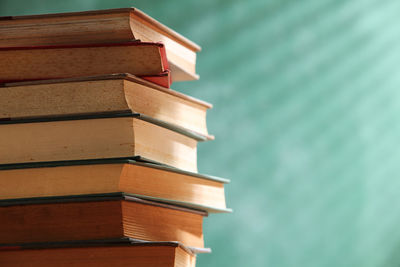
(98, 157)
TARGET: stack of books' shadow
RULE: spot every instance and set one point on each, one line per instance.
(98, 157)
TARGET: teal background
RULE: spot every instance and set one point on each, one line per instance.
(306, 115)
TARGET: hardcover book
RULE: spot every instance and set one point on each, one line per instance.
(95, 137)
(85, 254)
(101, 26)
(147, 60)
(114, 93)
(111, 216)
(133, 178)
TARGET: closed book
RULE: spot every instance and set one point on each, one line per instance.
(140, 179)
(107, 216)
(101, 26)
(95, 137)
(149, 254)
(112, 93)
(147, 60)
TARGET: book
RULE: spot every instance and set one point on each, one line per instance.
(114, 93)
(149, 254)
(133, 178)
(95, 137)
(75, 218)
(147, 60)
(101, 26)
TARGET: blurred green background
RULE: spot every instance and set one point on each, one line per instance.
(306, 116)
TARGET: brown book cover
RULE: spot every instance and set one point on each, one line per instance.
(147, 60)
(103, 253)
(105, 216)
